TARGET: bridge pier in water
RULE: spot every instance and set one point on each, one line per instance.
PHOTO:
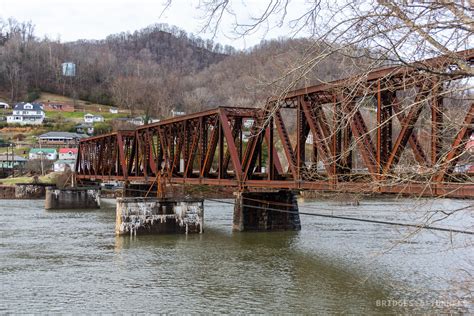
(266, 211)
(140, 215)
(72, 198)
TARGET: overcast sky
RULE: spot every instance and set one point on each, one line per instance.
(95, 19)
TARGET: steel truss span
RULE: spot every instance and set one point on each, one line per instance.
(255, 148)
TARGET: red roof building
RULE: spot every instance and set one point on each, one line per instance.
(67, 153)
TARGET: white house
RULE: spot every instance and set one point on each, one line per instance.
(27, 114)
(248, 123)
(4, 105)
(138, 121)
(177, 113)
(91, 118)
(67, 153)
(113, 110)
(43, 153)
(62, 165)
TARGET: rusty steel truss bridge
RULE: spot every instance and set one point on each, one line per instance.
(316, 138)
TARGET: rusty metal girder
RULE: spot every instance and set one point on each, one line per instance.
(209, 147)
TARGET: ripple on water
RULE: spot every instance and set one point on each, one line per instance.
(70, 261)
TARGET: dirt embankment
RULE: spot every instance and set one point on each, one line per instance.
(18, 130)
(7, 192)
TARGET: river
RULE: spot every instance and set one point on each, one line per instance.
(71, 261)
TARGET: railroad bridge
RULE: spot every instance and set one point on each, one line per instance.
(400, 129)
(347, 135)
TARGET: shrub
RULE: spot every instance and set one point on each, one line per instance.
(34, 166)
(102, 128)
(19, 137)
(33, 95)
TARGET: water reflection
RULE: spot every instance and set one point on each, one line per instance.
(260, 271)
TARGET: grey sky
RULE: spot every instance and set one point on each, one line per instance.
(95, 19)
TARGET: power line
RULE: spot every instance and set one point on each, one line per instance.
(419, 226)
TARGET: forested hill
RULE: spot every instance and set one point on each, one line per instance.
(28, 63)
(167, 46)
(156, 69)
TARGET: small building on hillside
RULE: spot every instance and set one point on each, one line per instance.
(68, 153)
(175, 113)
(27, 114)
(85, 128)
(60, 139)
(12, 161)
(113, 110)
(91, 118)
(62, 165)
(248, 123)
(137, 121)
(43, 153)
(4, 105)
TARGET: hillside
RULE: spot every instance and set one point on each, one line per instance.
(56, 120)
(250, 77)
(160, 68)
(154, 56)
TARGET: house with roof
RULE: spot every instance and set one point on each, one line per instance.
(60, 139)
(138, 121)
(248, 123)
(175, 113)
(27, 114)
(43, 153)
(62, 165)
(85, 128)
(91, 118)
(68, 153)
(113, 110)
(4, 105)
(12, 161)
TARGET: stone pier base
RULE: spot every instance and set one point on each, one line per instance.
(72, 198)
(260, 211)
(31, 191)
(138, 215)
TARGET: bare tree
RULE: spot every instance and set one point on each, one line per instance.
(368, 35)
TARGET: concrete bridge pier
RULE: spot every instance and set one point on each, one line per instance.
(139, 216)
(266, 211)
(72, 198)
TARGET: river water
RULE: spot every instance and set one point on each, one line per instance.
(71, 261)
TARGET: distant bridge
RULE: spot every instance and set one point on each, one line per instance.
(216, 147)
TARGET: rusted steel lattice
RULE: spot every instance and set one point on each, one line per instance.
(317, 147)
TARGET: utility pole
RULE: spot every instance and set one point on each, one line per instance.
(13, 160)
(8, 158)
(41, 157)
(41, 162)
